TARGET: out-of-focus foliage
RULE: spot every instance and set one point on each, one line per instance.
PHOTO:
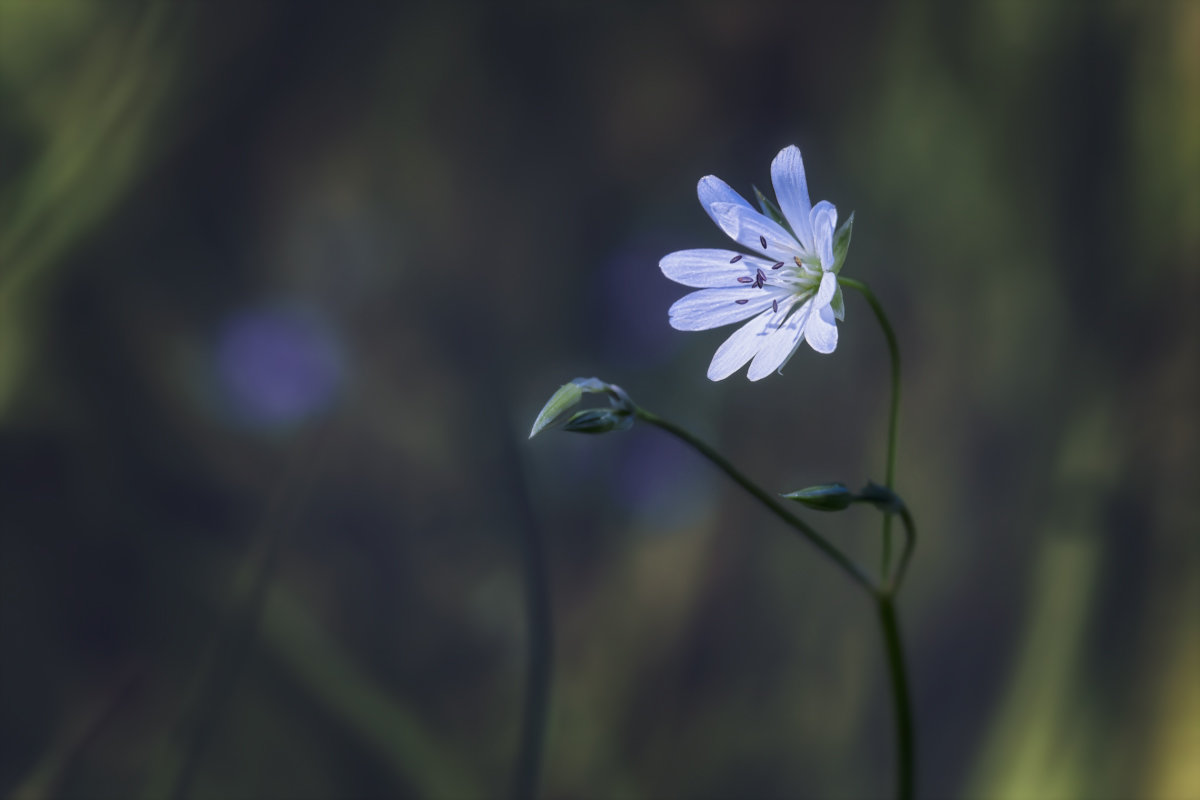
(362, 245)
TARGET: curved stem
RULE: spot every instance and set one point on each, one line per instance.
(905, 741)
(856, 572)
(910, 543)
(893, 414)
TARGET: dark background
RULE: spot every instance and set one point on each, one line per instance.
(289, 281)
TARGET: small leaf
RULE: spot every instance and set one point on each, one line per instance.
(841, 243)
(824, 497)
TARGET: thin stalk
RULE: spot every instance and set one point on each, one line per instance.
(527, 774)
(910, 543)
(905, 741)
(238, 631)
(531, 753)
(848, 565)
(893, 646)
(894, 411)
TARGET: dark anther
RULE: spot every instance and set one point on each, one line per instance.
(759, 278)
(775, 306)
(741, 302)
(777, 265)
(744, 279)
(763, 240)
(738, 258)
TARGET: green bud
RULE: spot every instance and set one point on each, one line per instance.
(841, 243)
(569, 396)
(824, 497)
(598, 420)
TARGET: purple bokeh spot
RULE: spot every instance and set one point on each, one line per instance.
(277, 367)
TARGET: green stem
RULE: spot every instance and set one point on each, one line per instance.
(910, 543)
(856, 573)
(539, 668)
(905, 743)
(894, 412)
(893, 646)
(238, 631)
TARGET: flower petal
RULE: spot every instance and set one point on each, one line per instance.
(712, 190)
(821, 331)
(739, 348)
(791, 189)
(838, 304)
(706, 269)
(824, 221)
(712, 308)
(780, 344)
(751, 229)
(826, 290)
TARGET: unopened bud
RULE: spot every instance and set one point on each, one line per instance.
(824, 497)
(597, 420)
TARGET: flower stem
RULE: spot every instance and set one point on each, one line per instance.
(894, 412)
(883, 595)
(848, 565)
(910, 542)
(532, 745)
(905, 741)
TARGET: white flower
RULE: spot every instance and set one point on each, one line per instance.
(788, 288)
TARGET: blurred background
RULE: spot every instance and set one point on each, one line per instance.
(283, 286)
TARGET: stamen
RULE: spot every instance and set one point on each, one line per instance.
(742, 302)
(763, 241)
(736, 259)
(775, 306)
(777, 265)
(759, 277)
(744, 279)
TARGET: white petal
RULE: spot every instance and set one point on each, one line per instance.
(750, 229)
(821, 331)
(791, 189)
(739, 348)
(824, 223)
(838, 304)
(712, 190)
(712, 308)
(780, 344)
(705, 269)
(826, 290)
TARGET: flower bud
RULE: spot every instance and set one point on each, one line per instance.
(824, 497)
(598, 420)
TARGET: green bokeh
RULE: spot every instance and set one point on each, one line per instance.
(462, 208)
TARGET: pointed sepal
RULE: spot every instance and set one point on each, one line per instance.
(841, 243)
